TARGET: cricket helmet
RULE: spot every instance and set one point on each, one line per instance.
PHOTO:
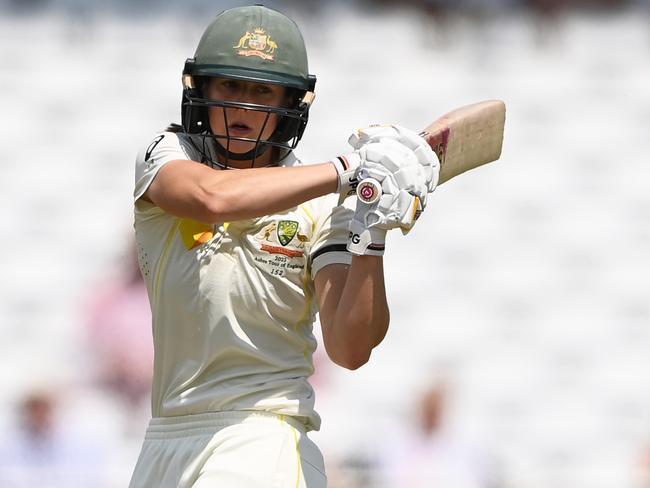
(254, 44)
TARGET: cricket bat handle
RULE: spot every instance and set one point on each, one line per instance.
(369, 190)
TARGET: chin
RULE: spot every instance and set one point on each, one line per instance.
(239, 147)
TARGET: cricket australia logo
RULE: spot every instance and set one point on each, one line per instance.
(257, 43)
(287, 231)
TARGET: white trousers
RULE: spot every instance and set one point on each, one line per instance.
(228, 450)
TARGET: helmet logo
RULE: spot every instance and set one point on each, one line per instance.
(257, 43)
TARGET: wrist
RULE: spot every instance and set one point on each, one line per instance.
(346, 167)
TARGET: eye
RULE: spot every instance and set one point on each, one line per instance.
(263, 90)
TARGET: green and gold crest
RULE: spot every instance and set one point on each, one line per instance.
(287, 230)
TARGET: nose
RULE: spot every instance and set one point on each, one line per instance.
(246, 94)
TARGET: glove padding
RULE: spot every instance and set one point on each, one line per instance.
(416, 143)
(393, 165)
(402, 179)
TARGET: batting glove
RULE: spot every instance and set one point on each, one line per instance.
(425, 155)
(392, 170)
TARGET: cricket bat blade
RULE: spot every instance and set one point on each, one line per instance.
(467, 137)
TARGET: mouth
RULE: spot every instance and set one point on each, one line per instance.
(239, 129)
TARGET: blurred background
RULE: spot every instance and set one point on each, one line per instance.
(519, 349)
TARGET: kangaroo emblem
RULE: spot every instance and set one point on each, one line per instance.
(244, 40)
(269, 231)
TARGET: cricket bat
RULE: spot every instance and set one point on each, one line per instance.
(463, 139)
(467, 137)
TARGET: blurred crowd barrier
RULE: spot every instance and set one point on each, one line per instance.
(432, 6)
(518, 355)
(439, 11)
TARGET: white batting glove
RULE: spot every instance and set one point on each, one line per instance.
(371, 222)
(394, 164)
(425, 155)
(396, 170)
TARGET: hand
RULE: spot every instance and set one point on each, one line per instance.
(396, 170)
(395, 166)
(425, 155)
(371, 222)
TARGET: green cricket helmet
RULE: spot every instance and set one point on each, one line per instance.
(254, 44)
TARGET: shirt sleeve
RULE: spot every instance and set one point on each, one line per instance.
(331, 238)
(164, 147)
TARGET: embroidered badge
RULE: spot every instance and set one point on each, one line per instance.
(257, 43)
(287, 230)
(282, 237)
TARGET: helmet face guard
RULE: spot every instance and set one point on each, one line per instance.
(292, 121)
(251, 44)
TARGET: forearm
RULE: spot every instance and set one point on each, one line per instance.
(361, 319)
(248, 193)
(190, 190)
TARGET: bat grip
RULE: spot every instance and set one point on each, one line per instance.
(369, 190)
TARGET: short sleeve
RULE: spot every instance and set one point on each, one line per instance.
(163, 148)
(331, 238)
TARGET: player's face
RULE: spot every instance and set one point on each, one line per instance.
(239, 122)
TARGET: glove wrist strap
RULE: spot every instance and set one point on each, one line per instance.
(346, 166)
(363, 241)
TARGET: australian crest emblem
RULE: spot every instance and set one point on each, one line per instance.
(257, 43)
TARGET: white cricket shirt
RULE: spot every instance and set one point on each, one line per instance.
(233, 304)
